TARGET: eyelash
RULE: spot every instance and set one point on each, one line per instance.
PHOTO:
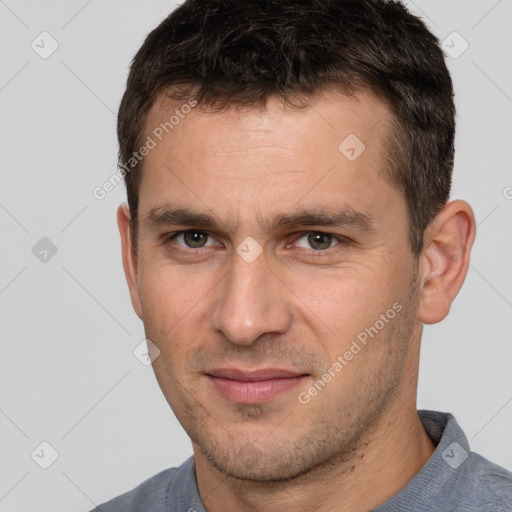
(316, 253)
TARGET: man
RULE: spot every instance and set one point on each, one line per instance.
(288, 232)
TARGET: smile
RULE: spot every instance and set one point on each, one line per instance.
(253, 387)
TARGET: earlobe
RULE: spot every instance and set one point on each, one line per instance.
(444, 261)
(129, 258)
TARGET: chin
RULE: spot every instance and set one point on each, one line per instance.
(264, 461)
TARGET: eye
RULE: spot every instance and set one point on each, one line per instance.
(192, 239)
(317, 240)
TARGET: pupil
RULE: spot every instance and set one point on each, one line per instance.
(194, 238)
(319, 240)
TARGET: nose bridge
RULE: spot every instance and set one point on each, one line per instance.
(250, 302)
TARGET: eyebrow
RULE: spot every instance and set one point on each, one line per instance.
(167, 216)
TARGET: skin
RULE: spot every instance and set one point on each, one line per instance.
(298, 305)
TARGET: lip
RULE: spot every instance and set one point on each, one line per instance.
(253, 386)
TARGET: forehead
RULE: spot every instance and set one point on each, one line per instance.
(249, 161)
(362, 114)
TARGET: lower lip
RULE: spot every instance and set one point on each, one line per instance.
(256, 392)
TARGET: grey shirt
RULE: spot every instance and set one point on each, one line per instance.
(453, 480)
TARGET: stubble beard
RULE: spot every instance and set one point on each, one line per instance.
(338, 432)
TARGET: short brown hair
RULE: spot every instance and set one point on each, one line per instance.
(242, 52)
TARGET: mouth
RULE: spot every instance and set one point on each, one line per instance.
(254, 386)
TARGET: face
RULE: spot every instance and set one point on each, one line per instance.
(275, 277)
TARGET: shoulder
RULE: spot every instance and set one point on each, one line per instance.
(485, 484)
(149, 496)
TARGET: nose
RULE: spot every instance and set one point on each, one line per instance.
(251, 301)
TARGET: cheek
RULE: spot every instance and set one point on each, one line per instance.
(347, 301)
(173, 305)
(172, 297)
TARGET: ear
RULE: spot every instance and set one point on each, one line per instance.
(129, 257)
(444, 261)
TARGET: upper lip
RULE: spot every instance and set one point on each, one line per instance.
(254, 375)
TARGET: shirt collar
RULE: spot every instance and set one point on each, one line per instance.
(440, 474)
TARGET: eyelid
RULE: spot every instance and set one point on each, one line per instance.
(338, 238)
(296, 236)
(176, 234)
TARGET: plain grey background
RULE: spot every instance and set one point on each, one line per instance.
(68, 374)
